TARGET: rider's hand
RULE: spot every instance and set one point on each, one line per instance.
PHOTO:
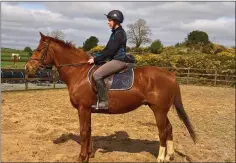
(91, 60)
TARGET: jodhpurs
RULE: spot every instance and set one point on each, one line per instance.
(109, 68)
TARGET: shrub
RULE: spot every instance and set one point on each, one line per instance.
(224, 61)
(156, 47)
(218, 48)
(97, 49)
(208, 48)
(128, 49)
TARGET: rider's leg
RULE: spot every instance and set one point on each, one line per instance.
(104, 71)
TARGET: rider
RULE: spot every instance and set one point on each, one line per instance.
(114, 56)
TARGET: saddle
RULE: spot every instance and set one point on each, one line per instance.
(120, 81)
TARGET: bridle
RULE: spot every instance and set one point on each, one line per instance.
(41, 59)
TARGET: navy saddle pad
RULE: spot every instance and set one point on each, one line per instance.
(123, 81)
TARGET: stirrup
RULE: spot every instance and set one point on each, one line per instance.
(96, 107)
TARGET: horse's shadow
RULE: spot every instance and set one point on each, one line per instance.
(119, 141)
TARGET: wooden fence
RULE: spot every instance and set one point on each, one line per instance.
(52, 77)
(184, 75)
(14, 60)
(211, 76)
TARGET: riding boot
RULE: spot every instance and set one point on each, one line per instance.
(102, 94)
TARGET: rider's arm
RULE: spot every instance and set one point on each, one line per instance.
(112, 47)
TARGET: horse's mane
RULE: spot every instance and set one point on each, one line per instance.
(67, 44)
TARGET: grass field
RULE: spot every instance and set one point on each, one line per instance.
(7, 64)
(31, 120)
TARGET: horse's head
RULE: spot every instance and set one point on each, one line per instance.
(41, 56)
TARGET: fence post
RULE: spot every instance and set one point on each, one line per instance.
(215, 77)
(54, 77)
(188, 75)
(26, 81)
(14, 62)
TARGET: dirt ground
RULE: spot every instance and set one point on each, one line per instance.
(32, 120)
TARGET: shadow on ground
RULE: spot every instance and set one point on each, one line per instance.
(119, 141)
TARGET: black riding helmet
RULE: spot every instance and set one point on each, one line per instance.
(115, 15)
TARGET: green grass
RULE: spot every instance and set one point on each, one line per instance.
(6, 54)
(11, 65)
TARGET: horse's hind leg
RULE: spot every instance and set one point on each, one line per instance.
(169, 142)
(165, 134)
(91, 152)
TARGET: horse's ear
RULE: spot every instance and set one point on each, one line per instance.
(41, 35)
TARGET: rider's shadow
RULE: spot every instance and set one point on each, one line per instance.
(119, 141)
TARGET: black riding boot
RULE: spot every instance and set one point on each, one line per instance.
(102, 94)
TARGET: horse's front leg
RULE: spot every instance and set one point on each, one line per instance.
(85, 133)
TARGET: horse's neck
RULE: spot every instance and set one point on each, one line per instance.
(69, 56)
(70, 73)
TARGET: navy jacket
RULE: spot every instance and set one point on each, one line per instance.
(115, 48)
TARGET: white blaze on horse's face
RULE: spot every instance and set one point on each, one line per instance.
(26, 67)
(29, 68)
(32, 66)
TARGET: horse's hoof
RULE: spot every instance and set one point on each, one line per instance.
(83, 159)
(91, 155)
(160, 159)
(168, 158)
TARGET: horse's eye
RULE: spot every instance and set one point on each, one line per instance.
(38, 50)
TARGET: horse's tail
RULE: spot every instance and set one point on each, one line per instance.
(182, 114)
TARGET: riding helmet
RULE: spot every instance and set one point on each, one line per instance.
(115, 15)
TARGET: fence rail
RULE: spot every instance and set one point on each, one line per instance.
(190, 75)
(14, 60)
(27, 79)
(217, 75)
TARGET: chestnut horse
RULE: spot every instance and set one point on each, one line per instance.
(152, 86)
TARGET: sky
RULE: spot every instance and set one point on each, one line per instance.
(170, 22)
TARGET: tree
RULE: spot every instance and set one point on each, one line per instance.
(197, 37)
(27, 49)
(90, 43)
(156, 47)
(57, 34)
(139, 33)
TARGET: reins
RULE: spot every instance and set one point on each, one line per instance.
(72, 64)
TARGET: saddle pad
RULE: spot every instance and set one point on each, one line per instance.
(118, 81)
(123, 81)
